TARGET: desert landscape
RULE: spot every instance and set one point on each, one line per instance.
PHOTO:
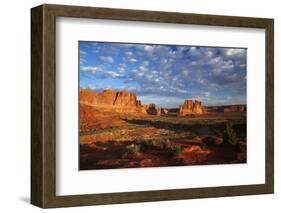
(159, 105)
(118, 131)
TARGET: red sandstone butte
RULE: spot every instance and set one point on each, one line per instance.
(153, 110)
(117, 101)
(190, 107)
(111, 100)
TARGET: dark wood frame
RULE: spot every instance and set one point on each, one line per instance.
(43, 105)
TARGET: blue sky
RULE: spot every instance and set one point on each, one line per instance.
(165, 74)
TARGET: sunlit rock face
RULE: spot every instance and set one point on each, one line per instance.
(153, 110)
(111, 100)
(124, 98)
(190, 107)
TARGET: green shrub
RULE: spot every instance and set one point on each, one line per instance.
(172, 138)
(137, 141)
(175, 150)
(229, 135)
(164, 143)
(154, 142)
(131, 150)
(145, 145)
(209, 140)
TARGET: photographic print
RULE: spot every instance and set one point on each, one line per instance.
(159, 105)
(108, 98)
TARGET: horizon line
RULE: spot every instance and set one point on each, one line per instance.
(184, 99)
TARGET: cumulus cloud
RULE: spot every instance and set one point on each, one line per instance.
(83, 52)
(92, 69)
(232, 51)
(133, 60)
(166, 71)
(107, 59)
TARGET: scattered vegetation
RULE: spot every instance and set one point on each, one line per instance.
(229, 135)
(163, 141)
(172, 138)
(131, 151)
(163, 144)
(175, 150)
(209, 140)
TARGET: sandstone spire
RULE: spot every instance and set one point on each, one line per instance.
(190, 107)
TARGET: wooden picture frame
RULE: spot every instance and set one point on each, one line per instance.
(43, 105)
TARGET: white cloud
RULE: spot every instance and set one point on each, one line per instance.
(207, 94)
(107, 59)
(143, 68)
(179, 71)
(149, 48)
(236, 51)
(145, 63)
(121, 68)
(129, 53)
(114, 74)
(163, 61)
(185, 72)
(83, 52)
(91, 69)
(133, 60)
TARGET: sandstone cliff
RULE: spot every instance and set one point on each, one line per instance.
(110, 100)
(109, 97)
(190, 107)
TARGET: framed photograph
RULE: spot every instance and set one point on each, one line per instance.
(136, 106)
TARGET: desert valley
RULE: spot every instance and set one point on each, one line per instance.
(118, 131)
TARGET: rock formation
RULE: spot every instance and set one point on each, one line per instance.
(235, 108)
(124, 98)
(164, 111)
(109, 97)
(110, 100)
(158, 111)
(190, 107)
(227, 108)
(153, 110)
(144, 108)
(117, 101)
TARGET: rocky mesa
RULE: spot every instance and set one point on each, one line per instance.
(190, 107)
(235, 108)
(226, 108)
(109, 97)
(127, 102)
(117, 101)
(111, 100)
